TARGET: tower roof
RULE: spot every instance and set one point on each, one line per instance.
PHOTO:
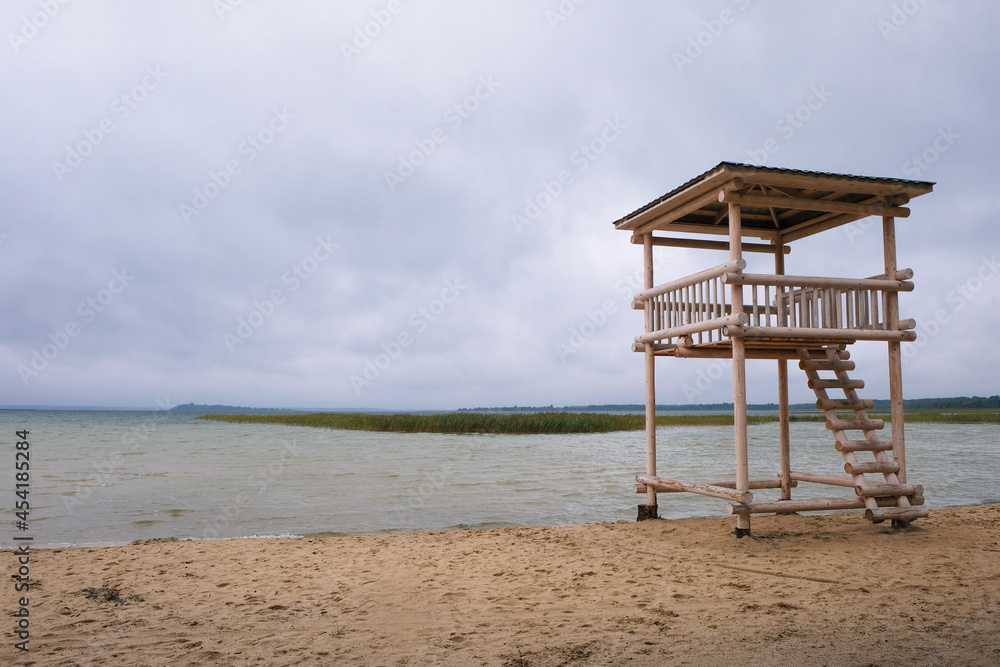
(775, 203)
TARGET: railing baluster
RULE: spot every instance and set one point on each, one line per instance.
(701, 305)
(875, 309)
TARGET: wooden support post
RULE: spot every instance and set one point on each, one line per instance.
(784, 436)
(895, 353)
(649, 510)
(739, 373)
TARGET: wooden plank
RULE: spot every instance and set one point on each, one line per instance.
(806, 204)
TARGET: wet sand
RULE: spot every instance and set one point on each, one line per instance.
(830, 590)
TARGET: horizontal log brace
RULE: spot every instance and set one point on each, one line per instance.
(820, 334)
(818, 282)
(663, 485)
(693, 279)
(819, 478)
(806, 204)
(694, 327)
(815, 505)
(701, 244)
(753, 485)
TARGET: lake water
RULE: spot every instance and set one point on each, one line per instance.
(111, 477)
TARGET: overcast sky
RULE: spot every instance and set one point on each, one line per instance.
(358, 204)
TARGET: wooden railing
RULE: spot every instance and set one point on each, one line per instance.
(777, 306)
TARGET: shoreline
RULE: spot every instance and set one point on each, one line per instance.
(443, 529)
(833, 588)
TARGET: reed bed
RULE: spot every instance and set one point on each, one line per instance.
(523, 423)
(494, 423)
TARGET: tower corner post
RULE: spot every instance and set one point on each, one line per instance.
(739, 372)
(649, 510)
(784, 435)
(895, 351)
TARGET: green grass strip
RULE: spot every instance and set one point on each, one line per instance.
(497, 423)
(517, 423)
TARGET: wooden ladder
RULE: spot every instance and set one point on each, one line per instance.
(837, 362)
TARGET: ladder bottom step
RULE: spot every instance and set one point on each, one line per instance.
(898, 513)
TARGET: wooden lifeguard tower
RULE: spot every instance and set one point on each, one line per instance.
(722, 312)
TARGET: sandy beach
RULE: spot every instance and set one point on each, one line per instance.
(830, 590)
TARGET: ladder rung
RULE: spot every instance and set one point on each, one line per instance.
(872, 490)
(900, 513)
(826, 365)
(855, 424)
(845, 404)
(836, 384)
(863, 446)
(876, 467)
